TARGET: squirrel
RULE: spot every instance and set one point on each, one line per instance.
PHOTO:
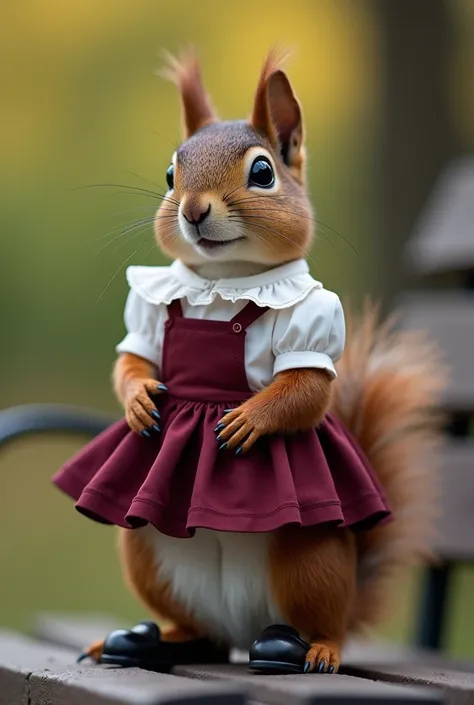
(237, 223)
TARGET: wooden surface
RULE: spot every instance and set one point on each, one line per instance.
(372, 673)
(444, 237)
(34, 673)
(38, 673)
(448, 319)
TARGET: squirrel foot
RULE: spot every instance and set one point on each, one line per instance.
(173, 633)
(94, 651)
(323, 657)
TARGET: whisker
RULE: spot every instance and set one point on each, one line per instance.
(275, 219)
(128, 260)
(136, 189)
(153, 183)
(119, 270)
(295, 213)
(125, 231)
(285, 237)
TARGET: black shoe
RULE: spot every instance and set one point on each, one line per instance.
(279, 649)
(142, 647)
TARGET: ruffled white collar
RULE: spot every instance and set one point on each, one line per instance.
(276, 288)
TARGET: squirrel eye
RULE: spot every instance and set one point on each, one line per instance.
(170, 176)
(261, 173)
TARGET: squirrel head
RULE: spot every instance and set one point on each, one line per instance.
(236, 189)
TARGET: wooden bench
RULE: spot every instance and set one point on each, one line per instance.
(42, 669)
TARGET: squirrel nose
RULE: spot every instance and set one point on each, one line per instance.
(195, 213)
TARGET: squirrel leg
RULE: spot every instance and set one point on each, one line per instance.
(313, 578)
(142, 577)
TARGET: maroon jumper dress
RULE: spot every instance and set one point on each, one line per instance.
(178, 480)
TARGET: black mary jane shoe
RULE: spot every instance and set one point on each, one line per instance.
(142, 647)
(279, 649)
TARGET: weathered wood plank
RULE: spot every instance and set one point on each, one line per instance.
(102, 686)
(444, 237)
(448, 317)
(34, 673)
(75, 631)
(456, 523)
(314, 689)
(458, 688)
(19, 658)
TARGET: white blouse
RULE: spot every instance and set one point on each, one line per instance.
(304, 327)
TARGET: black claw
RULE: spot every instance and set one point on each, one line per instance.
(307, 666)
(223, 446)
(156, 428)
(219, 438)
(322, 666)
(162, 387)
(331, 669)
(219, 427)
(82, 657)
(155, 414)
(145, 434)
(227, 411)
(239, 450)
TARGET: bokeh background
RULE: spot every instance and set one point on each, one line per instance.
(388, 93)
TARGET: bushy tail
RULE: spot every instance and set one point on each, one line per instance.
(386, 393)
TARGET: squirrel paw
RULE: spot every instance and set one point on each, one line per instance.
(240, 428)
(94, 652)
(141, 413)
(323, 657)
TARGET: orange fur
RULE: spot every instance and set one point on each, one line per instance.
(386, 392)
(312, 575)
(261, 117)
(141, 575)
(277, 113)
(134, 383)
(185, 73)
(296, 400)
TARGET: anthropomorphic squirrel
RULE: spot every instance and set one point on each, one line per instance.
(268, 475)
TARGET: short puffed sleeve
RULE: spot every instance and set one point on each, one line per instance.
(144, 322)
(310, 334)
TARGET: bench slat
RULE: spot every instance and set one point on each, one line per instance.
(456, 524)
(458, 688)
(75, 631)
(314, 689)
(36, 673)
(448, 317)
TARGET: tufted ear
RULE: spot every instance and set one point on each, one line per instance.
(185, 73)
(277, 114)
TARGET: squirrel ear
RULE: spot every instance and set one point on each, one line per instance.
(185, 73)
(277, 114)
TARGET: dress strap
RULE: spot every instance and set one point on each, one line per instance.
(175, 309)
(248, 315)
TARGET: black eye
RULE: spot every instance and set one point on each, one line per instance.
(261, 173)
(170, 176)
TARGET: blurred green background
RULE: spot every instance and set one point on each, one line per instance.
(81, 105)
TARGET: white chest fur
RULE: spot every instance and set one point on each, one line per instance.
(222, 579)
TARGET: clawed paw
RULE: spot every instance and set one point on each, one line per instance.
(323, 657)
(94, 652)
(237, 430)
(140, 411)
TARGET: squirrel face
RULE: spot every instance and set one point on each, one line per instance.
(236, 189)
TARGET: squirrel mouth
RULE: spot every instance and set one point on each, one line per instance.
(212, 245)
